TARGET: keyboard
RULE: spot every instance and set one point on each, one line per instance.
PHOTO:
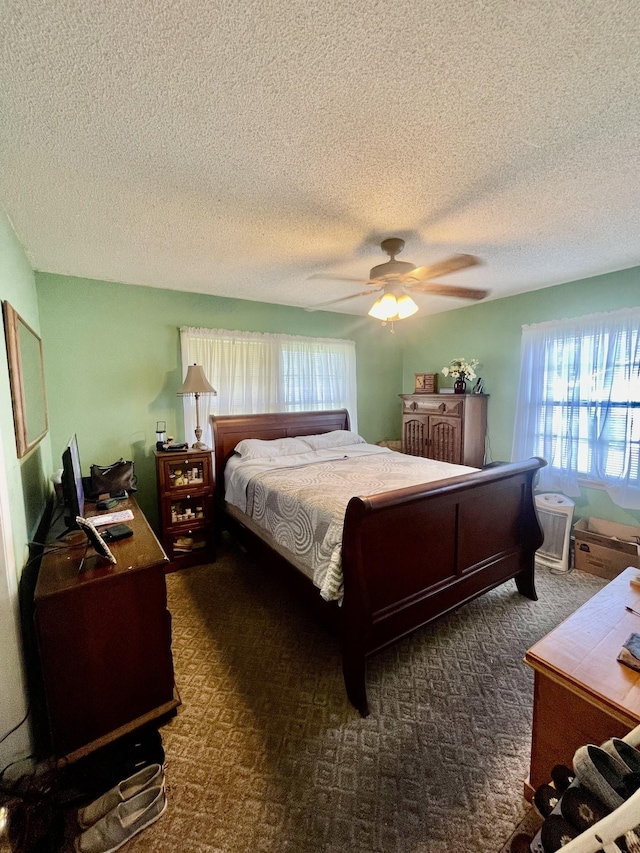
(111, 518)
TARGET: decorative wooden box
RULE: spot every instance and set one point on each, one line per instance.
(426, 383)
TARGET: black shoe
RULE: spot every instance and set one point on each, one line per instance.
(545, 800)
(556, 832)
(581, 808)
(562, 777)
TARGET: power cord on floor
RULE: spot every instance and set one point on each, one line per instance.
(566, 571)
(15, 728)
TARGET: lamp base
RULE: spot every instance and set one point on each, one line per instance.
(198, 444)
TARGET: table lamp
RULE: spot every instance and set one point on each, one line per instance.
(196, 383)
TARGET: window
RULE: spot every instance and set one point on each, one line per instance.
(579, 403)
(255, 372)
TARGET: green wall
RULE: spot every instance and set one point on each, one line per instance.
(112, 358)
(27, 478)
(491, 332)
(24, 489)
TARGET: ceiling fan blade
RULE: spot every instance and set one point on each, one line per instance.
(344, 299)
(436, 289)
(456, 262)
(330, 277)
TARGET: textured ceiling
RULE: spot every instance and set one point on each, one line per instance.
(235, 148)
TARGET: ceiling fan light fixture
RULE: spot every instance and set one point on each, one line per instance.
(384, 308)
(389, 307)
(396, 279)
(406, 307)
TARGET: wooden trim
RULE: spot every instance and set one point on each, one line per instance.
(157, 713)
(12, 320)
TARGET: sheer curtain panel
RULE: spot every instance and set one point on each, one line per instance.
(579, 403)
(256, 372)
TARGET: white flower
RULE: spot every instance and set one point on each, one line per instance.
(460, 366)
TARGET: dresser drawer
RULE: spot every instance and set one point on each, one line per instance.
(431, 406)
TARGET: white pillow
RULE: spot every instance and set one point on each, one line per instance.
(257, 448)
(336, 438)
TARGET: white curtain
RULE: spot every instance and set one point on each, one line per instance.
(256, 372)
(579, 403)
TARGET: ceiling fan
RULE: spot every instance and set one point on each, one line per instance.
(398, 279)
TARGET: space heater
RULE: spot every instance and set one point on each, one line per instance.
(555, 513)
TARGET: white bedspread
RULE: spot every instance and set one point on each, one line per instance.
(301, 500)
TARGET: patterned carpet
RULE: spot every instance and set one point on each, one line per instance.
(267, 755)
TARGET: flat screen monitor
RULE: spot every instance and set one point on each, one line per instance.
(72, 488)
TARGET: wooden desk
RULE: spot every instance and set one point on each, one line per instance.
(104, 636)
(582, 694)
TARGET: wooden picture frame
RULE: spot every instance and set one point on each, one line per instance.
(425, 383)
(26, 375)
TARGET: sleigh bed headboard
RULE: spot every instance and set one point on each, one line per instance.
(228, 430)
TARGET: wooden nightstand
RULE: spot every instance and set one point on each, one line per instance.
(186, 488)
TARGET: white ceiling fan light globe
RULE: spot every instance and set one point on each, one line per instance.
(378, 311)
(385, 308)
(406, 307)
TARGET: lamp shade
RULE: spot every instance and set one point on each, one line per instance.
(195, 382)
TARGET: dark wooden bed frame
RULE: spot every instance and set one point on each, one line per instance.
(412, 554)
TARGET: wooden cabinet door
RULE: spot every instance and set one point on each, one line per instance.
(445, 439)
(415, 438)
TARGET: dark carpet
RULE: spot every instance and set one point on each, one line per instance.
(266, 753)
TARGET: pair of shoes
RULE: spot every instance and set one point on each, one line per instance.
(577, 804)
(607, 776)
(122, 823)
(568, 815)
(148, 777)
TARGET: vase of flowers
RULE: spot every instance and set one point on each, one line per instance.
(460, 385)
(461, 370)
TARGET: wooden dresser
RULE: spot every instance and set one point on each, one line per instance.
(446, 427)
(582, 693)
(104, 637)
